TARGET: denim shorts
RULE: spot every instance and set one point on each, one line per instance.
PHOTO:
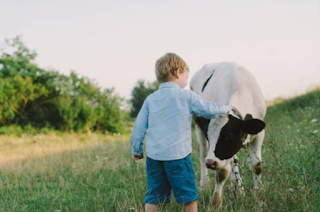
(175, 175)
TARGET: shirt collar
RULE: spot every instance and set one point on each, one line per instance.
(168, 85)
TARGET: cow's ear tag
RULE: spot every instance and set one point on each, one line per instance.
(252, 126)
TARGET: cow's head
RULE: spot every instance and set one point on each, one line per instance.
(225, 137)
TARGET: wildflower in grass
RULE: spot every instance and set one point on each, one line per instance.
(315, 132)
(290, 189)
(314, 120)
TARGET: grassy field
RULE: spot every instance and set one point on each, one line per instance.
(96, 173)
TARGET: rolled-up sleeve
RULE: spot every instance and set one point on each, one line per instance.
(139, 130)
(207, 109)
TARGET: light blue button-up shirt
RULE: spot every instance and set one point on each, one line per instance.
(166, 118)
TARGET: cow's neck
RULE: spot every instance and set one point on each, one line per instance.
(240, 103)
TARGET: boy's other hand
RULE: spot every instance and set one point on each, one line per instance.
(137, 157)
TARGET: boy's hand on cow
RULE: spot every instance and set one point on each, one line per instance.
(137, 157)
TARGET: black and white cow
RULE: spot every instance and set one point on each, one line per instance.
(220, 139)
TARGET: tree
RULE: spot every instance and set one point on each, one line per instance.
(139, 94)
(31, 96)
(17, 84)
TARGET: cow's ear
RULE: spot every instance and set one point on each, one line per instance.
(201, 122)
(252, 126)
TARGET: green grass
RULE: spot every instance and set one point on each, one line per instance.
(96, 173)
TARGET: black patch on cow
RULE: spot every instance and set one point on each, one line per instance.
(252, 126)
(206, 82)
(221, 175)
(257, 168)
(229, 141)
(203, 123)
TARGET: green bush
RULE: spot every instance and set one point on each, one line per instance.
(14, 130)
(2, 130)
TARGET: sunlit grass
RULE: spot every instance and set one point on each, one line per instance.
(77, 172)
(29, 146)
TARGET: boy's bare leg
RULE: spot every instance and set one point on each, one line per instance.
(151, 207)
(191, 206)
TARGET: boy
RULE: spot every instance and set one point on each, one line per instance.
(166, 114)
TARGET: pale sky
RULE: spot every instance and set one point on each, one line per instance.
(117, 42)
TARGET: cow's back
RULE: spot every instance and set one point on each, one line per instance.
(230, 84)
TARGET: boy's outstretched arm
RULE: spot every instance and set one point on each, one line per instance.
(139, 132)
(207, 109)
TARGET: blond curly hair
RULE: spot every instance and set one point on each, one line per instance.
(167, 65)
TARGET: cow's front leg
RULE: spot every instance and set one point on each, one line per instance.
(203, 150)
(221, 177)
(235, 176)
(256, 159)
